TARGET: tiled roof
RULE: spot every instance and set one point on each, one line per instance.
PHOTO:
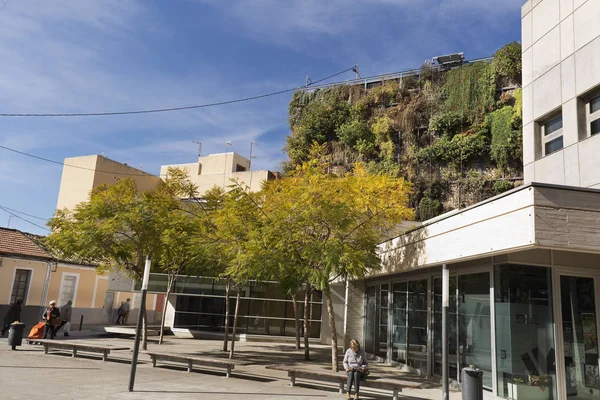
(18, 243)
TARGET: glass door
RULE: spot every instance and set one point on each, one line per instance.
(579, 328)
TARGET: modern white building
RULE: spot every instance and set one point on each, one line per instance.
(525, 265)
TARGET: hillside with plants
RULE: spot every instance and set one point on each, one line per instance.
(456, 134)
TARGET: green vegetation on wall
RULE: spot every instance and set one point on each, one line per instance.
(456, 135)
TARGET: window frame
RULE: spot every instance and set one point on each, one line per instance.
(61, 290)
(591, 116)
(557, 134)
(25, 297)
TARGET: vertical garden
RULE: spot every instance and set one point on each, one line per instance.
(456, 135)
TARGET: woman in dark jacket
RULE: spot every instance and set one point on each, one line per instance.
(52, 318)
(13, 314)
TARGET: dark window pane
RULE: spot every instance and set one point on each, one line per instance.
(595, 104)
(417, 324)
(437, 328)
(553, 125)
(525, 350)
(595, 127)
(554, 145)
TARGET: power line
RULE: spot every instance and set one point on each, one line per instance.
(141, 173)
(24, 213)
(23, 219)
(170, 109)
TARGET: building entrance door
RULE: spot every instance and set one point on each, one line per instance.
(578, 326)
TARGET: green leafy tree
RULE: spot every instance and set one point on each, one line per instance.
(336, 222)
(117, 228)
(509, 63)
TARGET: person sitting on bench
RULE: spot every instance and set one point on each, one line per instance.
(355, 364)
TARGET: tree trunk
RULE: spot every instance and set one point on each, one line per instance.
(227, 300)
(296, 320)
(306, 323)
(170, 281)
(235, 321)
(334, 344)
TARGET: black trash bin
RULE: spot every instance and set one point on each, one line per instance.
(15, 334)
(472, 384)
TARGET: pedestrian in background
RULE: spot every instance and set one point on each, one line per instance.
(65, 313)
(52, 319)
(126, 311)
(13, 314)
(120, 313)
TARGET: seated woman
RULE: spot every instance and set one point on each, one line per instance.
(355, 364)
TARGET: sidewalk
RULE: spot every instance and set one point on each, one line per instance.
(25, 373)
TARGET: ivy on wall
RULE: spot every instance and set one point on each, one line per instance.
(456, 130)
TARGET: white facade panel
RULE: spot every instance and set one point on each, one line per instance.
(546, 15)
(567, 38)
(578, 3)
(589, 161)
(527, 104)
(546, 93)
(566, 8)
(571, 162)
(546, 53)
(587, 23)
(550, 169)
(587, 66)
(570, 130)
(528, 173)
(527, 31)
(529, 143)
(568, 79)
(527, 65)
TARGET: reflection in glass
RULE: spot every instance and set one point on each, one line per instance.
(417, 324)
(524, 332)
(371, 320)
(578, 304)
(399, 314)
(437, 328)
(377, 320)
(475, 325)
(383, 322)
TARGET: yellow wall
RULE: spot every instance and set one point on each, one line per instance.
(85, 285)
(77, 183)
(36, 285)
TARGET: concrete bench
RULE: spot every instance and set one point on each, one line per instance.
(340, 378)
(191, 360)
(75, 347)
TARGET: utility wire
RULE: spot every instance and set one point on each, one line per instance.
(24, 213)
(170, 109)
(141, 173)
(23, 219)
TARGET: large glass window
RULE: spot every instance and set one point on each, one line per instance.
(525, 349)
(593, 115)
(551, 130)
(417, 324)
(475, 334)
(399, 320)
(580, 338)
(377, 320)
(437, 329)
(263, 310)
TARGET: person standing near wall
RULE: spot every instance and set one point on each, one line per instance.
(65, 312)
(13, 314)
(126, 306)
(52, 319)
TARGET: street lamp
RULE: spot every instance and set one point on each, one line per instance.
(138, 329)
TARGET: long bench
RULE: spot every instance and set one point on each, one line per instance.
(76, 347)
(394, 385)
(195, 360)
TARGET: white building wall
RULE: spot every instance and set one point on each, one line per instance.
(561, 69)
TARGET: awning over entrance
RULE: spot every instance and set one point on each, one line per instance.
(532, 216)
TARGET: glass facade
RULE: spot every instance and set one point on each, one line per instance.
(523, 366)
(525, 351)
(264, 310)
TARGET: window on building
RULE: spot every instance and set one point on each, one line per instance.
(552, 138)
(239, 168)
(593, 116)
(68, 287)
(20, 285)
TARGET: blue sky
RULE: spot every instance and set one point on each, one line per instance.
(112, 55)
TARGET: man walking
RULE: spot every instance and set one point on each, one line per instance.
(126, 311)
(65, 312)
(52, 318)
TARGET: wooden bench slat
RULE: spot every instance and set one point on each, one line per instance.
(74, 347)
(191, 360)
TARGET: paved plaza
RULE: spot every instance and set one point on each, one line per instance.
(28, 373)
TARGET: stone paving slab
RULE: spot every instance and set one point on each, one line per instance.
(25, 373)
